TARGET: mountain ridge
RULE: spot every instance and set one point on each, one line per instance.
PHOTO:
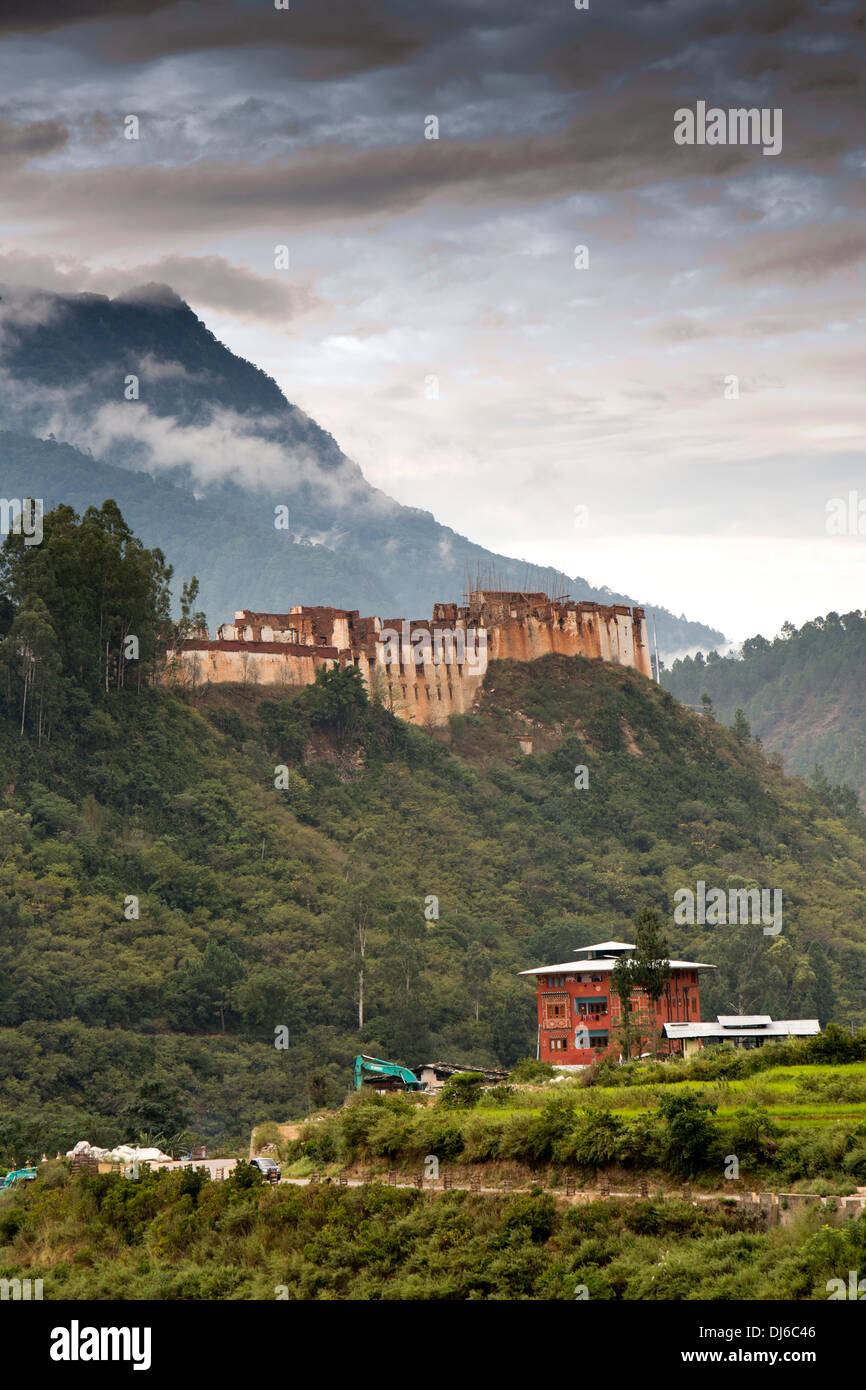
(220, 429)
(801, 693)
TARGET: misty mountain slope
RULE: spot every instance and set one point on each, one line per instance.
(78, 351)
(802, 694)
(221, 431)
(198, 536)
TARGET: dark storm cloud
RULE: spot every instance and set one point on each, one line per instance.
(830, 73)
(613, 150)
(42, 16)
(618, 147)
(337, 39)
(334, 39)
(446, 39)
(711, 39)
(754, 16)
(19, 143)
(464, 51)
(358, 150)
(474, 38)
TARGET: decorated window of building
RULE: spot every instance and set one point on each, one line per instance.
(556, 1008)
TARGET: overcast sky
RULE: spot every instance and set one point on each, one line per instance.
(410, 259)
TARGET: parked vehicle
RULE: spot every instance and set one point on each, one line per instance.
(268, 1167)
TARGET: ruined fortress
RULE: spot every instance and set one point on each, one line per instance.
(424, 671)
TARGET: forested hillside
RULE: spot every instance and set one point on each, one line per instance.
(802, 694)
(165, 907)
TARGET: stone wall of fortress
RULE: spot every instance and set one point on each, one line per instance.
(398, 659)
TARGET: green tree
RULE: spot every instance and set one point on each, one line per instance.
(461, 1092)
(596, 1138)
(690, 1136)
(652, 967)
(206, 986)
(754, 1135)
(823, 997)
(336, 702)
(100, 587)
(32, 660)
(191, 623)
(156, 1111)
(622, 983)
(476, 972)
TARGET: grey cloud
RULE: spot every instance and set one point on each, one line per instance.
(24, 307)
(43, 16)
(615, 150)
(227, 447)
(338, 39)
(214, 281)
(208, 280)
(832, 73)
(754, 16)
(683, 330)
(846, 364)
(805, 253)
(19, 143)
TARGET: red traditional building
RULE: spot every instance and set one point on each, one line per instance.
(579, 1015)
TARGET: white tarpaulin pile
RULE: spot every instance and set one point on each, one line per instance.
(128, 1153)
(89, 1150)
(123, 1153)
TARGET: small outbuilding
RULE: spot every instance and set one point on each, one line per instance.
(743, 1030)
(433, 1075)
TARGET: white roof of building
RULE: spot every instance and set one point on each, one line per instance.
(792, 1027)
(607, 946)
(744, 1020)
(605, 963)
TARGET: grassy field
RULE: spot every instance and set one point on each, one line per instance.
(816, 1094)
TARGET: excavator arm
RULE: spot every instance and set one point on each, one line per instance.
(367, 1068)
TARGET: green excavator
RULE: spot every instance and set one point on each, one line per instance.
(369, 1068)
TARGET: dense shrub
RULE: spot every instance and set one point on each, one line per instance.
(438, 1132)
(594, 1141)
(461, 1092)
(547, 1130)
(690, 1138)
(754, 1135)
(169, 1235)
